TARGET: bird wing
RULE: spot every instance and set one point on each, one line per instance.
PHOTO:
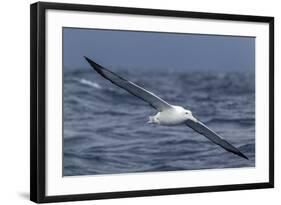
(155, 101)
(214, 137)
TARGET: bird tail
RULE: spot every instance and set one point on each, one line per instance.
(150, 120)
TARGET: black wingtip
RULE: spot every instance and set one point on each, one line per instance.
(87, 59)
(92, 63)
(96, 66)
(245, 157)
(242, 155)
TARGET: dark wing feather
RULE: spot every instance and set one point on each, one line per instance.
(214, 137)
(130, 87)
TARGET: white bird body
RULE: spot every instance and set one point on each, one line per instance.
(174, 116)
(167, 114)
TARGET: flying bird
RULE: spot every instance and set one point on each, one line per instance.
(167, 114)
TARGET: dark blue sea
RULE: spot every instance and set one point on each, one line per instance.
(106, 130)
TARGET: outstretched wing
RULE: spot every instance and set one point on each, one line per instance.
(155, 101)
(214, 137)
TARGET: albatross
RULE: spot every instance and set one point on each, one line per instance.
(167, 114)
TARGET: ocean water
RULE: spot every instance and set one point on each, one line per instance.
(106, 129)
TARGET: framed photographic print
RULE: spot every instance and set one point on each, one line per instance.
(129, 102)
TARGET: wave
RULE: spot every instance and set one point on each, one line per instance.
(105, 130)
(90, 83)
(248, 148)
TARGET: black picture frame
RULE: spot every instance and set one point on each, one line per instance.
(38, 101)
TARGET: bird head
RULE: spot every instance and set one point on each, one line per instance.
(187, 115)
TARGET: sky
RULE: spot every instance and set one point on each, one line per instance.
(152, 50)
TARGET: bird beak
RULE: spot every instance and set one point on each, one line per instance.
(193, 119)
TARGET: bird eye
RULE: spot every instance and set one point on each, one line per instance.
(186, 113)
